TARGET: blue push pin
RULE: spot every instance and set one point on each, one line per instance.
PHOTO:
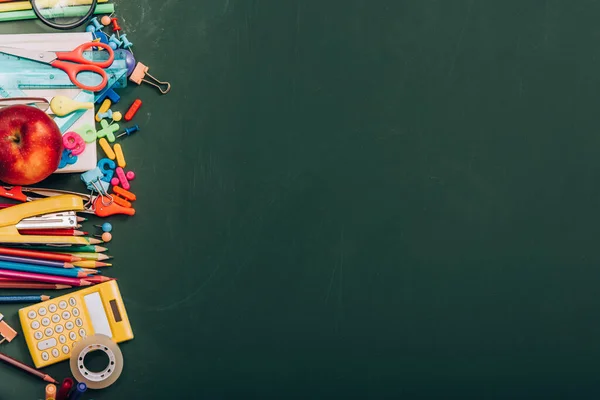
(106, 227)
(94, 21)
(107, 114)
(126, 43)
(114, 42)
(79, 390)
(129, 131)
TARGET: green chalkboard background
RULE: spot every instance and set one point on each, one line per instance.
(358, 199)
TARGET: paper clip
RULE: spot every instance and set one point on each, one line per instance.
(139, 75)
(94, 182)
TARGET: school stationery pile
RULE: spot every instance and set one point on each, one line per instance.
(51, 239)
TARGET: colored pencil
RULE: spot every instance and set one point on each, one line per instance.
(91, 264)
(27, 368)
(39, 269)
(31, 286)
(52, 232)
(63, 248)
(87, 271)
(90, 256)
(99, 279)
(46, 263)
(40, 255)
(22, 299)
(28, 276)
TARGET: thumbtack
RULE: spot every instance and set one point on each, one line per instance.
(114, 42)
(115, 25)
(105, 20)
(129, 131)
(106, 227)
(126, 43)
(106, 237)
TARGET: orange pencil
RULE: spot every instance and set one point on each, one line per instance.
(40, 255)
(31, 285)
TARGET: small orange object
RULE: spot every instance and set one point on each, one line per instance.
(50, 392)
(122, 202)
(124, 193)
(133, 109)
(106, 237)
(111, 209)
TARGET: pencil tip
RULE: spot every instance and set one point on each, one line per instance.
(81, 219)
(83, 282)
(60, 287)
(69, 265)
(94, 241)
(44, 297)
(100, 249)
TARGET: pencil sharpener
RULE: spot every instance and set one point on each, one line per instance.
(6, 332)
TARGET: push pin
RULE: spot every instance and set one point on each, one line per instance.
(6, 332)
(105, 20)
(106, 237)
(139, 75)
(115, 26)
(97, 25)
(126, 43)
(106, 227)
(114, 42)
(129, 131)
(114, 116)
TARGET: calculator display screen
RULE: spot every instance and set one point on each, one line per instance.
(98, 316)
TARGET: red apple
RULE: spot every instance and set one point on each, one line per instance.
(30, 145)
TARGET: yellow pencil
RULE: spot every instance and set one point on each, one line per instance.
(91, 264)
(90, 256)
(26, 5)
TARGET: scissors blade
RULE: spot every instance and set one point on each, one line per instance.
(40, 56)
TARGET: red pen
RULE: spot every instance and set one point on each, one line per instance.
(65, 388)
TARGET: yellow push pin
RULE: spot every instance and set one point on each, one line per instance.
(62, 105)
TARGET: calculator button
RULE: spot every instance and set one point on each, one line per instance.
(56, 318)
(32, 314)
(66, 349)
(38, 335)
(52, 308)
(73, 336)
(62, 339)
(79, 322)
(72, 302)
(62, 305)
(66, 315)
(35, 325)
(46, 321)
(46, 344)
(45, 356)
(75, 312)
(55, 353)
(82, 333)
(59, 329)
(49, 331)
(42, 311)
(69, 325)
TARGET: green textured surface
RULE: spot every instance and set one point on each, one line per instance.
(359, 199)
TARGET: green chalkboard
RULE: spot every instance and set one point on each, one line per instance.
(358, 199)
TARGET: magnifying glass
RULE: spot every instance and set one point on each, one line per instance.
(63, 14)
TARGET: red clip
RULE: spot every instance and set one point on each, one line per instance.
(14, 192)
(112, 209)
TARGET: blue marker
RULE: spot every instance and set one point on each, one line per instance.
(80, 389)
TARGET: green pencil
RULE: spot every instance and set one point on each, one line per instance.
(76, 11)
(90, 256)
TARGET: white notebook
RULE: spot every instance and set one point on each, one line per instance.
(59, 42)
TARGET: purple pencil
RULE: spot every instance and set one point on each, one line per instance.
(45, 263)
(30, 276)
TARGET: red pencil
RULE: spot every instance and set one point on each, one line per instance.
(30, 276)
(99, 279)
(52, 232)
(29, 285)
(40, 255)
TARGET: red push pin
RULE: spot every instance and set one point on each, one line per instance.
(115, 26)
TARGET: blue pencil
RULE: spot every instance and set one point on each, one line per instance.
(22, 299)
(46, 263)
(38, 269)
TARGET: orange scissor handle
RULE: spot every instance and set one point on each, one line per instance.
(112, 209)
(14, 192)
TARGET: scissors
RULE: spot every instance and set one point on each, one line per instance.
(101, 205)
(77, 65)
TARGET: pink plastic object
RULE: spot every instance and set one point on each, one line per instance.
(130, 175)
(115, 181)
(121, 175)
(106, 237)
(74, 142)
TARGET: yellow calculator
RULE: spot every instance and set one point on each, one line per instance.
(53, 327)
